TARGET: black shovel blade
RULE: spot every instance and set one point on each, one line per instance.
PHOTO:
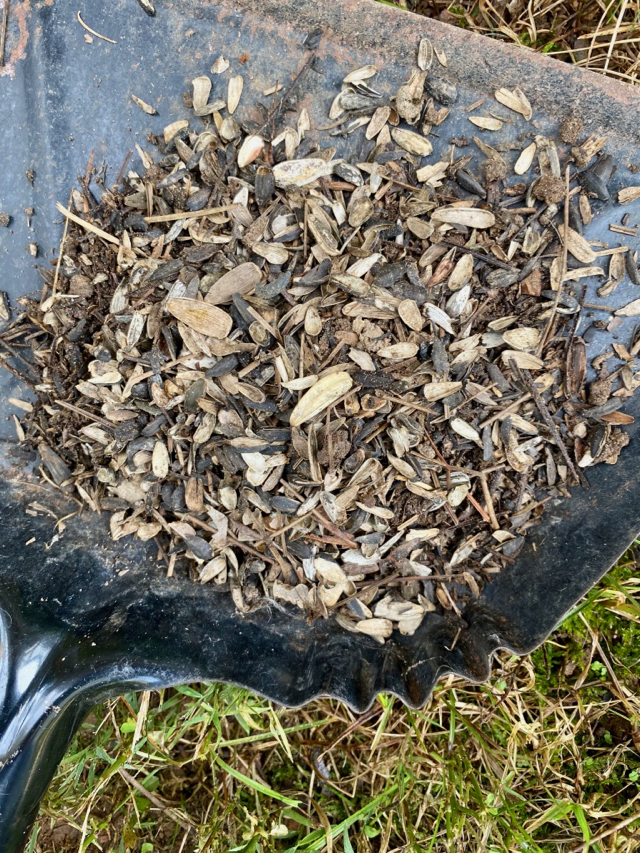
(83, 617)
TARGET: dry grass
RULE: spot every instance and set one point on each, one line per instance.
(546, 757)
(602, 35)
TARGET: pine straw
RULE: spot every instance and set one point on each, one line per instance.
(545, 757)
(602, 35)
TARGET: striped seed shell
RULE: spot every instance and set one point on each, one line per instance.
(412, 142)
(242, 279)
(378, 121)
(249, 150)
(486, 122)
(515, 100)
(525, 160)
(410, 315)
(323, 394)
(298, 173)
(160, 460)
(524, 360)
(465, 430)
(439, 390)
(175, 127)
(234, 93)
(461, 272)
(400, 351)
(200, 316)
(524, 338)
(425, 54)
(440, 318)
(631, 309)
(201, 92)
(360, 74)
(472, 217)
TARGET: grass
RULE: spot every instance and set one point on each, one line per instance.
(602, 35)
(544, 757)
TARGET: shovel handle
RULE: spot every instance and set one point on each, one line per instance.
(47, 687)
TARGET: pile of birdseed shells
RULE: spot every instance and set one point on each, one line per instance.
(351, 387)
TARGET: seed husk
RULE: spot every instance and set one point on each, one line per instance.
(486, 122)
(299, 173)
(242, 280)
(144, 106)
(365, 348)
(515, 100)
(470, 216)
(409, 313)
(523, 338)
(234, 93)
(425, 54)
(439, 390)
(525, 160)
(201, 317)
(412, 142)
(323, 394)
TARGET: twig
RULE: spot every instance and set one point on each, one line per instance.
(93, 32)
(408, 404)
(60, 250)
(474, 502)
(84, 413)
(489, 259)
(510, 408)
(17, 374)
(278, 106)
(553, 429)
(89, 226)
(163, 805)
(3, 31)
(563, 268)
(489, 501)
(189, 214)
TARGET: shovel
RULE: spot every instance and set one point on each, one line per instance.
(84, 618)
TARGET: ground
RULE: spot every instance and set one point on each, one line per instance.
(544, 757)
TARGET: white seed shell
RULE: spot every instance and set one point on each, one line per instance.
(323, 394)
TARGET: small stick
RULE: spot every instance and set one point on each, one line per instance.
(189, 214)
(408, 404)
(489, 501)
(474, 502)
(599, 307)
(3, 31)
(563, 270)
(59, 263)
(546, 417)
(123, 168)
(84, 413)
(510, 408)
(163, 805)
(278, 106)
(17, 374)
(89, 226)
(93, 32)
(489, 259)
